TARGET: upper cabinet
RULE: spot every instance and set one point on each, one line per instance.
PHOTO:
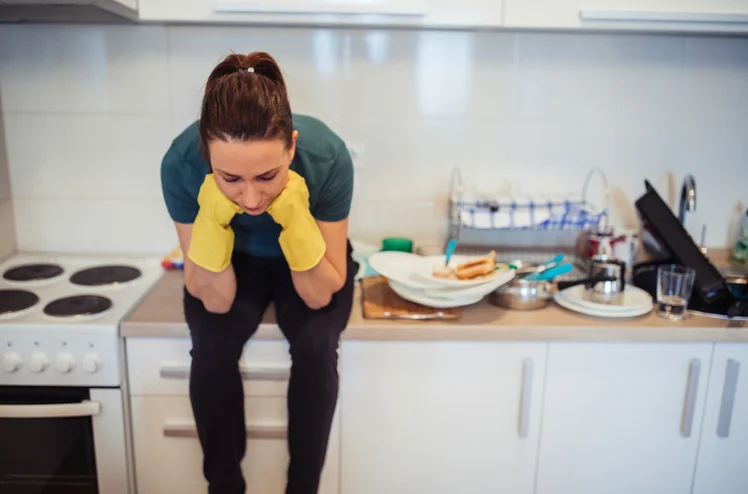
(637, 15)
(414, 13)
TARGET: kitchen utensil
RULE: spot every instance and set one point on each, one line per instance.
(451, 246)
(523, 294)
(625, 245)
(609, 292)
(674, 285)
(379, 301)
(634, 298)
(399, 266)
(523, 267)
(607, 314)
(420, 297)
(551, 273)
(545, 267)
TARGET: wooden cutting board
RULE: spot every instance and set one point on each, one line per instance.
(380, 302)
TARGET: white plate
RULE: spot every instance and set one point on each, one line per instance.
(419, 297)
(621, 314)
(399, 266)
(634, 298)
(479, 290)
(424, 270)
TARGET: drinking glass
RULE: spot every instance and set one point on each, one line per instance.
(674, 287)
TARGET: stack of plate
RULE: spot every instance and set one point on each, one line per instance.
(635, 302)
(411, 277)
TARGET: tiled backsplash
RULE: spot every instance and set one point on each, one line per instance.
(90, 110)
(7, 221)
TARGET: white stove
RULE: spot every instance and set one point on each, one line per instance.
(60, 316)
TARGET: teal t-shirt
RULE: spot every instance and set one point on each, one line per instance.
(321, 158)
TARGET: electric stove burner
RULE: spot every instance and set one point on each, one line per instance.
(12, 301)
(33, 272)
(105, 275)
(78, 305)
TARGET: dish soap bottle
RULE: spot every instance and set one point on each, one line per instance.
(740, 251)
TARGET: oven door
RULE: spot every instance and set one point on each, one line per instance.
(61, 440)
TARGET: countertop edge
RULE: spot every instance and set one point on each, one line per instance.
(424, 332)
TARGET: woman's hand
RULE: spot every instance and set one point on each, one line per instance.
(315, 251)
(301, 239)
(212, 239)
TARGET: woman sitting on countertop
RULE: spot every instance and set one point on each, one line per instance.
(260, 198)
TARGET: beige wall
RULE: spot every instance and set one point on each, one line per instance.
(90, 110)
(7, 224)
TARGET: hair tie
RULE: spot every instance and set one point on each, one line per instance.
(250, 69)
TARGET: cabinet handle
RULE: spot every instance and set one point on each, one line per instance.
(256, 431)
(412, 8)
(181, 371)
(526, 400)
(728, 398)
(85, 408)
(691, 392)
(654, 16)
(414, 317)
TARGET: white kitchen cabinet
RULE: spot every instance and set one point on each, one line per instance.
(416, 13)
(649, 15)
(622, 418)
(168, 458)
(723, 451)
(440, 417)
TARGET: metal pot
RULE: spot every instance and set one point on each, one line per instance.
(606, 292)
(522, 294)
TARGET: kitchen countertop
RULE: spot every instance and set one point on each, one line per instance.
(160, 315)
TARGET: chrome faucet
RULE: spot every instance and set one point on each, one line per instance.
(687, 198)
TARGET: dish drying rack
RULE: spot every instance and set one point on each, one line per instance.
(486, 218)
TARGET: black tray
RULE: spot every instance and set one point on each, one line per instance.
(665, 227)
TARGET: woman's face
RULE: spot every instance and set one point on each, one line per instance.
(251, 173)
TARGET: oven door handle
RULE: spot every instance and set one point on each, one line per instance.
(85, 408)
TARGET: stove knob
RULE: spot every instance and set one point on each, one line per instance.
(11, 362)
(65, 363)
(91, 363)
(38, 362)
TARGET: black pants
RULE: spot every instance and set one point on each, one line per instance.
(216, 386)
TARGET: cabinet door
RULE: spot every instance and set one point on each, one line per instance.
(622, 418)
(168, 458)
(680, 15)
(440, 417)
(723, 452)
(324, 12)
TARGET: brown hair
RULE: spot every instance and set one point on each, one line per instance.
(245, 99)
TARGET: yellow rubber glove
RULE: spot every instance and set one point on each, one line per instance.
(212, 238)
(301, 241)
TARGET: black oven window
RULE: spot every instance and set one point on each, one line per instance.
(46, 455)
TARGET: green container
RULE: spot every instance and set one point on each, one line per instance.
(397, 244)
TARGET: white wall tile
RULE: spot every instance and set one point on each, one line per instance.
(422, 221)
(311, 61)
(410, 159)
(138, 226)
(603, 78)
(84, 69)
(716, 80)
(86, 156)
(7, 229)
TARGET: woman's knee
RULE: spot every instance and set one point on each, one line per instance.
(315, 345)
